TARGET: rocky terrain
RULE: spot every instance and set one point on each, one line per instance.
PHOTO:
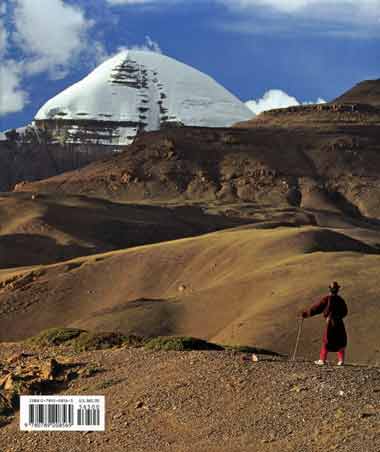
(292, 196)
(25, 156)
(200, 400)
(221, 234)
(273, 160)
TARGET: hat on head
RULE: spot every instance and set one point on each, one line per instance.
(334, 286)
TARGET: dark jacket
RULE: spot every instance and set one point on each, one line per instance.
(334, 309)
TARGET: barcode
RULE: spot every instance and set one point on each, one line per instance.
(53, 414)
(88, 416)
(74, 413)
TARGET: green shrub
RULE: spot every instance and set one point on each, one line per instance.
(108, 383)
(134, 341)
(98, 341)
(55, 336)
(91, 369)
(179, 343)
(83, 340)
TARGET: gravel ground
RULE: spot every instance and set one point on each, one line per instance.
(215, 402)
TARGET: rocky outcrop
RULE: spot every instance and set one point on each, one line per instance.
(23, 158)
(264, 165)
(25, 373)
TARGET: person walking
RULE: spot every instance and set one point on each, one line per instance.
(334, 309)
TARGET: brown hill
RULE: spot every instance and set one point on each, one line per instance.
(332, 167)
(365, 92)
(243, 285)
(298, 188)
(35, 153)
(44, 229)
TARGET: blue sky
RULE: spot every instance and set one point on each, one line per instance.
(308, 49)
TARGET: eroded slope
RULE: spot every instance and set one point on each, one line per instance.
(238, 286)
(336, 169)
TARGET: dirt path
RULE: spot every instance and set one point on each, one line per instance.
(216, 402)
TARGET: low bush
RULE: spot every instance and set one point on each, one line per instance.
(98, 341)
(55, 336)
(179, 343)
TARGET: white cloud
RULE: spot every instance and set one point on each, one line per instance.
(328, 16)
(276, 98)
(51, 33)
(100, 54)
(293, 6)
(288, 6)
(282, 5)
(3, 39)
(336, 18)
(3, 31)
(12, 97)
(152, 45)
(149, 45)
(51, 36)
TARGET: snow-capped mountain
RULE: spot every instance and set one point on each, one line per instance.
(138, 90)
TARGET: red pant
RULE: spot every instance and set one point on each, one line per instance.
(324, 352)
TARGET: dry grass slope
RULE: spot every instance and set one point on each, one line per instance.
(293, 196)
(43, 229)
(234, 287)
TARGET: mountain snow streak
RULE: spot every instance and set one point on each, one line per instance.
(139, 90)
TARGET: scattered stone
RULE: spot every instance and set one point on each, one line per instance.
(6, 407)
(5, 420)
(90, 371)
(366, 415)
(50, 369)
(18, 356)
(126, 178)
(33, 376)
(7, 382)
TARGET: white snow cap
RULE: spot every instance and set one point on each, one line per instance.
(145, 87)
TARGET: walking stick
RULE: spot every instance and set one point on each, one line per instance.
(300, 324)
